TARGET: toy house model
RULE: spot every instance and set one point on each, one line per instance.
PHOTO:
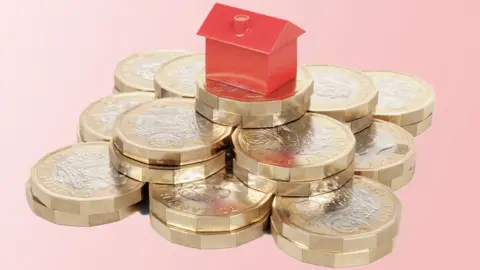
(249, 50)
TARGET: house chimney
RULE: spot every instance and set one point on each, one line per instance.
(241, 24)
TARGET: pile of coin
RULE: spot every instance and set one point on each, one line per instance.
(318, 159)
(233, 106)
(352, 226)
(77, 186)
(217, 212)
(165, 141)
(404, 100)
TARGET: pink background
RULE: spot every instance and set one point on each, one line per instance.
(58, 56)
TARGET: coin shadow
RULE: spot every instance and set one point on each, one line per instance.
(145, 203)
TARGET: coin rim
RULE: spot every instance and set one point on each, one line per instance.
(420, 127)
(253, 231)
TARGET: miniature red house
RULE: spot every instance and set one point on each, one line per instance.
(249, 50)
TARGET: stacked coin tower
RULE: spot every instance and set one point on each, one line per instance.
(318, 159)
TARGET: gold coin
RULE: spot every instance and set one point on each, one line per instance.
(165, 174)
(115, 91)
(98, 119)
(79, 179)
(403, 99)
(233, 99)
(136, 72)
(360, 124)
(69, 219)
(168, 131)
(330, 258)
(79, 136)
(341, 93)
(177, 77)
(311, 148)
(220, 202)
(210, 240)
(247, 121)
(420, 127)
(363, 215)
(295, 188)
(385, 152)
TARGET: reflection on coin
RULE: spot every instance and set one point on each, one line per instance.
(363, 215)
(341, 93)
(69, 219)
(227, 98)
(294, 188)
(178, 75)
(420, 127)
(218, 203)
(136, 72)
(311, 148)
(79, 179)
(165, 174)
(98, 119)
(168, 131)
(210, 240)
(385, 152)
(403, 99)
(360, 124)
(248, 121)
(329, 258)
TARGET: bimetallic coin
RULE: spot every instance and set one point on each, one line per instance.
(220, 202)
(136, 72)
(329, 258)
(69, 219)
(98, 119)
(79, 136)
(363, 215)
(233, 99)
(247, 121)
(294, 188)
(341, 93)
(79, 179)
(178, 76)
(403, 99)
(165, 174)
(115, 91)
(420, 127)
(168, 131)
(360, 124)
(311, 148)
(385, 152)
(210, 240)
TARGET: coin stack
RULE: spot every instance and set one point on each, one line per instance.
(346, 95)
(164, 141)
(404, 100)
(352, 226)
(136, 72)
(97, 120)
(77, 186)
(176, 78)
(217, 212)
(233, 106)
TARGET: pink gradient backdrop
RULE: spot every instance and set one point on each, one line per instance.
(58, 56)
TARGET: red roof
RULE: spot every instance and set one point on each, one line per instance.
(264, 34)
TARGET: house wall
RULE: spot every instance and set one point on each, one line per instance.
(282, 65)
(236, 65)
